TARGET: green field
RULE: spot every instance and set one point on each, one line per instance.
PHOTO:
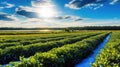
(57, 49)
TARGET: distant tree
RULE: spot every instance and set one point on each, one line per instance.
(67, 30)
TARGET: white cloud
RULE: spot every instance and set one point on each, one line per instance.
(25, 8)
(35, 22)
(9, 24)
(43, 8)
(40, 3)
(8, 5)
(94, 4)
(78, 4)
(7, 17)
(72, 6)
(68, 18)
(114, 2)
(1, 7)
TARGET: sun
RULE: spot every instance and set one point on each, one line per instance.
(46, 12)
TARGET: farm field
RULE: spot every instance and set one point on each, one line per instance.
(57, 49)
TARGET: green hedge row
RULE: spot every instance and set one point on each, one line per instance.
(28, 42)
(31, 38)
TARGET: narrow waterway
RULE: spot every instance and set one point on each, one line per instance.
(91, 59)
(10, 64)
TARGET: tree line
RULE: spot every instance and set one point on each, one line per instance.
(67, 28)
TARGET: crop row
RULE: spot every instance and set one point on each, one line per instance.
(13, 53)
(28, 42)
(110, 55)
(30, 38)
(65, 56)
(20, 40)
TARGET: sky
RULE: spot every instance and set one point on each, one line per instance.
(59, 13)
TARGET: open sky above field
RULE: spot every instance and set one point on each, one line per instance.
(59, 13)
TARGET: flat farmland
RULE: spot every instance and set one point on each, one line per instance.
(58, 49)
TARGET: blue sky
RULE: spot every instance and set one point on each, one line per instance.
(59, 13)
